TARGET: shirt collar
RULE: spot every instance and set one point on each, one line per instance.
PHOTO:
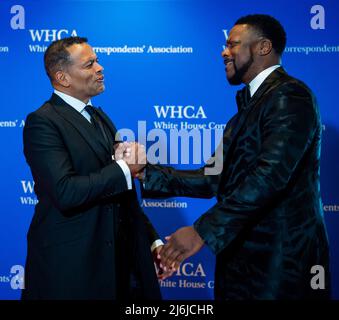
(77, 104)
(260, 78)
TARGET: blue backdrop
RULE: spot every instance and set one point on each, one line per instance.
(157, 55)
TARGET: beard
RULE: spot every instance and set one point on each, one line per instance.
(239, 73)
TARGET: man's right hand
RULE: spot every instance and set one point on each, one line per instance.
(120, 150)
(135, 157)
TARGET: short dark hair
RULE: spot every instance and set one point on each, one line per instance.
(268, 27)
(57, 57)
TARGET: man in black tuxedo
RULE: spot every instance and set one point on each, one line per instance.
(88, 238)
(267, 228)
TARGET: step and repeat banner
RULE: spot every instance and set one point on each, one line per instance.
(163, 70)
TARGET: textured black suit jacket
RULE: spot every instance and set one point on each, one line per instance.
(88, 234)
(267, 226)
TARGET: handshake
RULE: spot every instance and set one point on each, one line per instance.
(134, 154)
(181, 244)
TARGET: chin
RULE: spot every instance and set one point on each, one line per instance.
(101, 89)
(97, 92)
(234, 81)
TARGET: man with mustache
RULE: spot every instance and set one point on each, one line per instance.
(267, 228)
(89, 238)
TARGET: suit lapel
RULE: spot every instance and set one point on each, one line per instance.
(81, 125)
(231, 133)
(268, 85)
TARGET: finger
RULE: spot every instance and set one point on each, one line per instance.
(166, 249)
(118, 145)
(118, 156)
(166, 252)
(141, 156)
(171, 258)
(157, 250)
(165, 275)
(162, 274)
(178, 260)
(174, 266)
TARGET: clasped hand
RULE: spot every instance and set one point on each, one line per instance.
(134, 154)
(180, 245)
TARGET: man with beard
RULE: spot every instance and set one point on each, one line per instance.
(267, 228)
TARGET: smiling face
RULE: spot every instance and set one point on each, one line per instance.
(239, 54)
(83, 77)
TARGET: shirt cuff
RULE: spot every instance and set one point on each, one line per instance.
(156, 244)
(127, 173)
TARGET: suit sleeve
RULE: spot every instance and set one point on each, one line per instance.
(51, 165)
(163, 182)
(151, 232)
(290, 121)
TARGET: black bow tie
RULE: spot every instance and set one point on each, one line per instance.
(243, 97)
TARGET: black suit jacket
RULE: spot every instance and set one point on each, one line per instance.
(267, 226)
(88, 234)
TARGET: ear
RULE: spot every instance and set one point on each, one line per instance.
(62, 78)
(265, 47)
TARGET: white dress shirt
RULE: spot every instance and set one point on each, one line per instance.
(260, 78)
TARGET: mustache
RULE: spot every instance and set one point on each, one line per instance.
(227, 60)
